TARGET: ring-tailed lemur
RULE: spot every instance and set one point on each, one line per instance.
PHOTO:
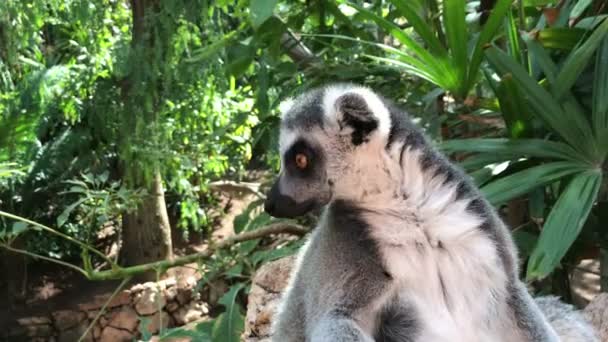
(407, 248)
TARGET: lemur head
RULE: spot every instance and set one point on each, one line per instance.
(332, 140)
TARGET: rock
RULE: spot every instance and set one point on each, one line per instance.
(137, 288)
(268, 283)
(274, 276)
(173, 306)
(96, 332)
(125, 318)
(103, 321)
(34, 320)
(183, 296)
(66, 319)
(149, 301)
(169, 282)
(92, 314)
(157, 320)
(191, 281)
(21, 332)
(597, 314)
(217, 289)
(189, 313)
(111, 334)
(170, 293)
(39, 330)
(73, 334)
(123, 298)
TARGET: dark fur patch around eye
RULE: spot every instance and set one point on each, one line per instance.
(312, 158)
(357, 115)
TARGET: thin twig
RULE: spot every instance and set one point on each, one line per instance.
(58, 233)
(34, 255)
(118, 272)
(275, 228)
(103, 308)
(230, 186)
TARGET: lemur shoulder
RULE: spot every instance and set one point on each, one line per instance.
(407, 248)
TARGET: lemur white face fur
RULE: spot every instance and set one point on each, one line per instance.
(329, 138)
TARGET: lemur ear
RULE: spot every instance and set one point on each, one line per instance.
(355, 115)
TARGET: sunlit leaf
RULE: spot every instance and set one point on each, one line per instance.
(573, 128)
(579, 59)
(562, 38)
(514, 108)
(406, 8)
(261, 10)
(494, 21)
(456, 33)
(522, 182)
(513, 148)
(230, 324)
(579, 8)
(564, 223)
(600, 96)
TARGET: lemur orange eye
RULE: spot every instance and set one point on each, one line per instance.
(301, 161)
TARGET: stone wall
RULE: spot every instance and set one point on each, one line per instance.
(165, 304)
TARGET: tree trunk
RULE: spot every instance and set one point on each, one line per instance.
(146, 233)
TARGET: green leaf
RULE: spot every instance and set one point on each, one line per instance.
(9, 169)
(144, 322)
(539, 3)
(478, 161)
(481, 176)
(600, 96)
(510, 148)
(267, 256)
(61, 219)
(579, 8)
(179, 332)
(513, 38)
(395, 31)
(240, 56)
(514, 108)
(525, 242)
(542, 56)
(414, 67)
(564, 223)
(212, 49)
(589, 23)
(561, 38)
(406, 9)
(16, 229)
(522, 182)
(499, 11)
(578, 60)
(230, 324)
(573, 128)
(260, 11)
(456, 33)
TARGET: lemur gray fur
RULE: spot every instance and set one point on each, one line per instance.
(407, 248)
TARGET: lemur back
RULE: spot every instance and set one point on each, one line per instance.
(407, 248)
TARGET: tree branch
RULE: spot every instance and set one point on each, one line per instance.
(297, 51)
(229, 186)
(275, 228)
